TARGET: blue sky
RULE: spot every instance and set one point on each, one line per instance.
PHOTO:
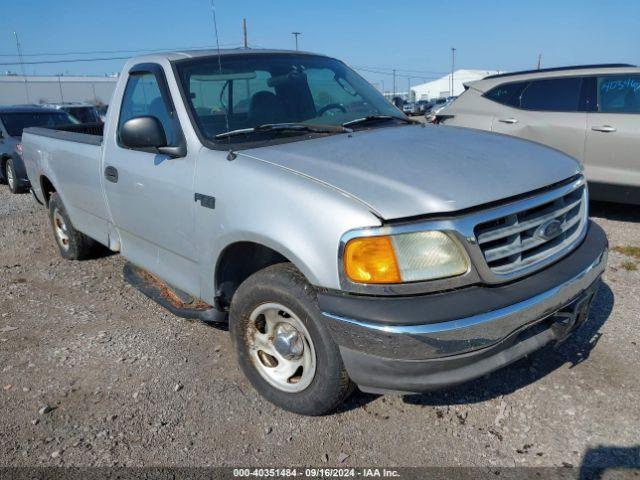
(414, 37)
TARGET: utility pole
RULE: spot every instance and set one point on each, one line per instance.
(295, 34)
(539, 60)
(244, 31)
(394, 82)
(24, 75)
(409, 89)
(453, 66)
(60, 87)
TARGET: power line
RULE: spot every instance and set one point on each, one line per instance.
(417, 73)
(390, 73)
(108, 52)
(74, 60)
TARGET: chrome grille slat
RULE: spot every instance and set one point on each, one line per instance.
(513, 242)
(521, 226)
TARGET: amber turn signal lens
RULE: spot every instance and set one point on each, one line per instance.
(371, 260)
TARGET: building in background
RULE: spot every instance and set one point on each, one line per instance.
(441, 88)
(19, 90)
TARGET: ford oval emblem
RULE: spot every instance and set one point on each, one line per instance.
(549, 229)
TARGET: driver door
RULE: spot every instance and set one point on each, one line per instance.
(151, 196)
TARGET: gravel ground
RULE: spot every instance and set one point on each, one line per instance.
(93, 373)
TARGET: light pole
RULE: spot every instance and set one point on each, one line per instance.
(295, 34)
(453, 65)
(394, 82)
(24, 75)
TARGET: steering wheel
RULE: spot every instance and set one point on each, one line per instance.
(331, 106)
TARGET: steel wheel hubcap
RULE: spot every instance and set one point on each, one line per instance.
(281, 348)
(60, 227)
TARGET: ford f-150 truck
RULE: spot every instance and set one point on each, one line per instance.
(344, 243)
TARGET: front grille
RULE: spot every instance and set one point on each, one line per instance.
(514, 242)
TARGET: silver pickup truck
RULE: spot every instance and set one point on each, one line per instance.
(344, 243)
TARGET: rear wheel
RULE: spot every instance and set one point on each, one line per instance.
(15, 184)
(283, 347)
(73, 245)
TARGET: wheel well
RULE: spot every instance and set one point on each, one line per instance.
(3, 162)
(237, 263)
(47, 189)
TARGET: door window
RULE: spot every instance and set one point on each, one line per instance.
(555, 95)
(619, 94)
(507, 94)
(143, 97)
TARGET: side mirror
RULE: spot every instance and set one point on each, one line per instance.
(143, 132)
(148, 133)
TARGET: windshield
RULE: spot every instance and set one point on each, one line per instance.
(253, 90)
(15, 122)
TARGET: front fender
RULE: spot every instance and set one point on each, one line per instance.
(298, 217)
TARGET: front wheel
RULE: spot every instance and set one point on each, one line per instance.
(283, 347)
(14, 182)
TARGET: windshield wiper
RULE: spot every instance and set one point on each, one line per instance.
(284, 127)
(377, 118)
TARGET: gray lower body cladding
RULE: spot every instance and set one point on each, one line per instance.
(415, 344)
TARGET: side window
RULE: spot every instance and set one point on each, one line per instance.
(507, 94)
(142, 97)
(552, 95)
(619, 94)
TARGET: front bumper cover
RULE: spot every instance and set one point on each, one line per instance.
(465, 333)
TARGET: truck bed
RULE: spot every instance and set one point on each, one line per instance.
(90, 133)
(70, 158)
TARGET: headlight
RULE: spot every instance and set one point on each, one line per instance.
(407, 257)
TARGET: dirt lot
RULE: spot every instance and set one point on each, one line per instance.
(93, 373)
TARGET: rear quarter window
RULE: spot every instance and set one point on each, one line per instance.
(507, 93)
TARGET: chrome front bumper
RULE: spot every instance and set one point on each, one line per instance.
(478, 331)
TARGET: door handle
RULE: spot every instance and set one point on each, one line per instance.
(111, 174)
(508, 120)
(604, 128)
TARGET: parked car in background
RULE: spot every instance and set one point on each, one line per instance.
(438, 109)
(83, 112)
(423, 106)
(398, 102)
(102, 112)
(409, 108)
(589, 112)
(13, 120)
(345, 247)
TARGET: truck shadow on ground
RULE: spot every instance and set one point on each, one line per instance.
(575, 350)
(598, 461)
(615, 211)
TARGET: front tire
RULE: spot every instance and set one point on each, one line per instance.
(72, 244)
(15, 184)
(282, 345)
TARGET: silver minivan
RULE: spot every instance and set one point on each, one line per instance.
(590, 112)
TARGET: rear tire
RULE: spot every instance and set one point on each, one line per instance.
(15, 184)
(3, 171)
(282, 345)
(73, 245)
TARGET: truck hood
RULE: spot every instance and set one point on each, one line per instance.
(407, 171)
